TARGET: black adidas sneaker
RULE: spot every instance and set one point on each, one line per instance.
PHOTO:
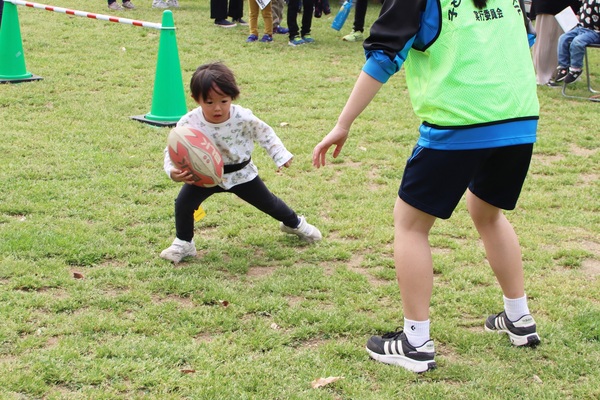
(393, 348)
(521, 332)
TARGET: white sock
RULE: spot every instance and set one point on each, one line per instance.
(417, 332)
(515, 308)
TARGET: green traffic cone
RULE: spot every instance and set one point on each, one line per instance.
(12, 58)
(168, 100)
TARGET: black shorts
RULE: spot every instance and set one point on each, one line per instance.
(435, 180)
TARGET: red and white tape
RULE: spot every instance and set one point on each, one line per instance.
(85, 14)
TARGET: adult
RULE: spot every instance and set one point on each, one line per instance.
(471, 81)
(219, 11)
(358, 27)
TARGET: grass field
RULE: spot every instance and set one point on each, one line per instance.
(89, 311)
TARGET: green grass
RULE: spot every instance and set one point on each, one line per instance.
(260, 315)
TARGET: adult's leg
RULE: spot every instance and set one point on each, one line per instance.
(218, 9)
(236, 9)
(359, 15)
(412, 256)
(501, 245)
(545, 57)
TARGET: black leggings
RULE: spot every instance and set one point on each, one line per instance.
(254, 192)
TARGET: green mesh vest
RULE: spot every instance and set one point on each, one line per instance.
(477, 71)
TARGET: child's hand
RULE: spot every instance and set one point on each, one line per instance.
(287, 164)
(182, 176)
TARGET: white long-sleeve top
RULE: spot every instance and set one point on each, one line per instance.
(235, 139)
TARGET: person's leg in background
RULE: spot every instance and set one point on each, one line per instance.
(545, 54)
(218, 12)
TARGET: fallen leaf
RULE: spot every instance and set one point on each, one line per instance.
(188, 371)
(77, 275)
(317, 383)
(224, 303)
(283, 124)
(537, 379)
(275, 326)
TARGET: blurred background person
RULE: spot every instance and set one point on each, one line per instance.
(545, 57)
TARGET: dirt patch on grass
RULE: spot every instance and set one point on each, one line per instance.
(591, 268)
(294, 301)
(203, 337)
(184, 302)
(259, 272)
(587, 179)
(548, 159)
(580, 151)
(309, 343)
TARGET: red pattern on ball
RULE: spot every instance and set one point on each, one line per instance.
(190, 150)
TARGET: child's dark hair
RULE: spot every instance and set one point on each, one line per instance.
(213, 76)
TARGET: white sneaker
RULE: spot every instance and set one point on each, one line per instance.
(160, 4)
(129, 5)
(173, 3)
(179, 250)
(305, 231)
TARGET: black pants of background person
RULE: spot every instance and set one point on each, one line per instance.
(219, 11)
(359, 15)
(1, 7)
(254, 192)
(292, 15)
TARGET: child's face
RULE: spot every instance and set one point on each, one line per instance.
(216, 107)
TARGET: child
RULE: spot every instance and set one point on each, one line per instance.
(267, 15)
(482, 147)
(300, 34)
(571, 45)
(233, 129)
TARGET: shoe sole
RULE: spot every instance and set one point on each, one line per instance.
(403, 361)
(284, 229)
(175, 260)
(529, 341)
